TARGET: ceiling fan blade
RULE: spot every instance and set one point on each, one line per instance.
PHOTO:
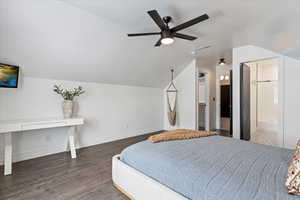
(190, 23)
(183, 36)
(158, 43)
(157, 19)
(142, 34)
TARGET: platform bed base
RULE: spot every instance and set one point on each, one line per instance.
(123, 192)
(137, 186)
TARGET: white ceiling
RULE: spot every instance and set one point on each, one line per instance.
(86, 40)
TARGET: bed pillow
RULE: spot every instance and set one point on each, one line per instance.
(293, 177)
(179, 134)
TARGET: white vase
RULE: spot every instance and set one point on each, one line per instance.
(67, 108)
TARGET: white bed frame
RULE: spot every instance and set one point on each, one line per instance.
(137, 186)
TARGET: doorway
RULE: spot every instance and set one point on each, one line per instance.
(203, 102)
(260, 116)
(224, 100)
(225, 94)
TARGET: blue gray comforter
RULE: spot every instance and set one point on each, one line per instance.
(214, 168)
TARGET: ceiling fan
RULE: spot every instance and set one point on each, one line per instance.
(168, 34)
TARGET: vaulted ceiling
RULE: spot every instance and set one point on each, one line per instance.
(86, 40)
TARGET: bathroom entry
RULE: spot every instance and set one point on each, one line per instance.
(260, 117)
(203, 102)
(224, 99)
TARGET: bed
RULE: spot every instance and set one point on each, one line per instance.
(208, 168)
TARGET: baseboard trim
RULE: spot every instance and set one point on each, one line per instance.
(42, 152)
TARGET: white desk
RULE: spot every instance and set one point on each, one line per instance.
(10, 126)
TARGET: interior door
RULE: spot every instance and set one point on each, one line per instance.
(225, 101)
(230, 105)
(245, 102)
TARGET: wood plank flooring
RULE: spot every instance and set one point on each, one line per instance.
(58, 177)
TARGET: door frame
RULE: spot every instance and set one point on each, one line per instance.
(280, 94)
(207, 93)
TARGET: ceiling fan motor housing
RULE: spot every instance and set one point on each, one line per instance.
(166, 34)
(167, 19)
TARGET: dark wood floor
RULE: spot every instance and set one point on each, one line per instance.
(58, 177)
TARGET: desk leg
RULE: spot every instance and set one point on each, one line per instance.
(71, 141)
(7, 154)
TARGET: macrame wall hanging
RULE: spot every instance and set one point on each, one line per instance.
(172, 111)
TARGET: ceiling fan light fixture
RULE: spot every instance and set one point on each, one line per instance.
(168, 34)
(167, 40)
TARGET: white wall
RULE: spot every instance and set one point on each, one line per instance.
(185, 82)
(247, 54)
(111, 112)
(288, 87)
(291, 102)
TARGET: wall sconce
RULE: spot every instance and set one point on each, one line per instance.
(225, 77)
